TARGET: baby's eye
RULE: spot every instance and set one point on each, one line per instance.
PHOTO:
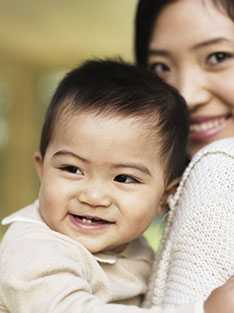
(218, 57)
(126, 179)
(72, 169)
(160, 69)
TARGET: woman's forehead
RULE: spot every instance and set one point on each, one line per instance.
(178, 18)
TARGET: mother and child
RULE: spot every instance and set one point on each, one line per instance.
(113, 145)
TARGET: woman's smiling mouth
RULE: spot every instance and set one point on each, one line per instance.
(206, 128)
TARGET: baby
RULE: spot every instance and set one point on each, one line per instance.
(112, 145)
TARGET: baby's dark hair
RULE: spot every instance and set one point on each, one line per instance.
(147, 13)
(116, 88)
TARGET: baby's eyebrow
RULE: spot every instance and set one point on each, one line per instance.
(132, 165)
(69, 153)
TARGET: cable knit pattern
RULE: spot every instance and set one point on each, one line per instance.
(197, 249)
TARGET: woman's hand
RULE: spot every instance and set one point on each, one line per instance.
(221, 300)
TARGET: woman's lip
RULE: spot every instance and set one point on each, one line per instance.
(203, 119)
(204, 128)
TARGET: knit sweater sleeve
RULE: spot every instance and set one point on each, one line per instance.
(197, 253)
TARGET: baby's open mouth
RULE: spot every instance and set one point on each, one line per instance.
(90, 220)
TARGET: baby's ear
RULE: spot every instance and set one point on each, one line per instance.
(38, 161)
(172, 186)
(170, 189)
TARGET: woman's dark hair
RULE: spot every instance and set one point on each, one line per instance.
(147, 13)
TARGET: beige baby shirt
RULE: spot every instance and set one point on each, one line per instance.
(44, 271)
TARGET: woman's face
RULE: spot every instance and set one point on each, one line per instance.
(192, 48)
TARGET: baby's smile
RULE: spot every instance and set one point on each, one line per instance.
(89, 221)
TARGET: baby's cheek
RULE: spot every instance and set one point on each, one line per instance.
(145, 214)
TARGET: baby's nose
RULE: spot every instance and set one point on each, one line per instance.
(95, 195)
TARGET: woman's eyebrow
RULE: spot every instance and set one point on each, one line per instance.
(158, 52)
(210, 42)
(206, 43)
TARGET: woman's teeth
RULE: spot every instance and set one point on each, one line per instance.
(209, 125)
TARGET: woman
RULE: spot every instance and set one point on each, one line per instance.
(190, 44)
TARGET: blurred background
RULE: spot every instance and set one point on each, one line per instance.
(39, 42)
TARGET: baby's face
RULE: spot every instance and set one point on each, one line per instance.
(101, 180)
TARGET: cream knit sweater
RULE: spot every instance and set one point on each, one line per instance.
(197, 251)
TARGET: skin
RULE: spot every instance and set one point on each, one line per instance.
(221, 299)
(195, 54)
(101, 167)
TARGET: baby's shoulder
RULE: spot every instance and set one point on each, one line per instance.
(30, 247)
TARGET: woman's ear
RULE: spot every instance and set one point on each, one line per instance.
(38, 161)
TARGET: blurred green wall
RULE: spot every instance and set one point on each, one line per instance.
(39, 40)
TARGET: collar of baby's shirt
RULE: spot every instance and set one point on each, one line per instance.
(28, 214)
(138, 250)
(106, 258)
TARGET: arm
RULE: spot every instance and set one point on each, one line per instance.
(221, 299)
(198, 252)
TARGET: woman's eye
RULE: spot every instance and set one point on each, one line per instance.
(72, 169)
(126, 179)
(159, 69)
(218, 57)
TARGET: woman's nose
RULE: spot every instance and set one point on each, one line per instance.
(193, 86)
(95, 194)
